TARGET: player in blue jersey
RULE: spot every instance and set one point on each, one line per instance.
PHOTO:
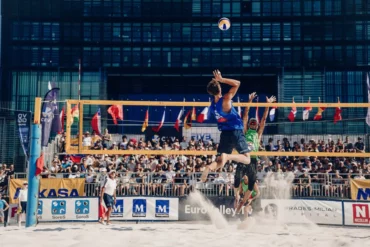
(229, 123)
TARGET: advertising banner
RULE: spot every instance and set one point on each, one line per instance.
(305, 211)
(288, 211)
(145, 208)
(360, 189)
(164, 133)
(66, 209)
(189, 210)
(357, 213)
(202, 133)
(51, 188)
(23, 120)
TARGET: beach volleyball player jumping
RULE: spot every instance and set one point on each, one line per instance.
(229, 123)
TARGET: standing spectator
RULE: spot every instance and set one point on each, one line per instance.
(108, 194)
(22, 202)
(106, 138)
(2, 209)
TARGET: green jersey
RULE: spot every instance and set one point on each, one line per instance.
(252, 137)
(245, 189)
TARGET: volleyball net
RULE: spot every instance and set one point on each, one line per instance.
(84, 126)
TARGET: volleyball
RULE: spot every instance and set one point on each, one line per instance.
(224, 24)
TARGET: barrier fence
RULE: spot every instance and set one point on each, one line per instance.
(317, 185)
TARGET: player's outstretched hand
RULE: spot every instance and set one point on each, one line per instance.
(217, 75)
(272, 99)
(252, 96)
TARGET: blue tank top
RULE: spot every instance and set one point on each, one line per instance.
(226, 121)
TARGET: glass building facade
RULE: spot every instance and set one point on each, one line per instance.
(314, 48)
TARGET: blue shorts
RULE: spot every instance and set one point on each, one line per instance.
(231, 139)
(108, 200)
(24, 207)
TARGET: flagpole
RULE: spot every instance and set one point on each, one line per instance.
(79, 79)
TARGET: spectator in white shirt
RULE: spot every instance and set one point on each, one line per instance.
(22, 202)
(87, 141)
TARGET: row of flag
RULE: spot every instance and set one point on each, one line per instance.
(318, 115)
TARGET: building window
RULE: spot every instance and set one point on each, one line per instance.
(276, 31)
(256, 32)
(296, 31)
(186, 57)
(236, 57)
(287, 8)
(266, 8)
(287, 57)
(166, 35)
(127, 57)
(256, 57)
(256, 8)
(207, 33)
(287, 32)
(236, 32)
(266, 32)
(117, 32)
(246, 57)
(136, 32)
(107, 29)
(275, 8)
(246, 32)
(116, 57)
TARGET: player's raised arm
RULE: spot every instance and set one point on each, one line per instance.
(264, 117)
(233, 83)
(246, 112)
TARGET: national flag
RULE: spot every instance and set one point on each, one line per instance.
(203, 115)
(239, 109)
(39, 164)
(306, 111)
(186, 124)
(48, 113)
(156, 129)
(292, 113)
(318, 115)
(368, 98)
(178, 120)
(96, 122)
(146, 121)
(61, 119)
(75, 112)
(272, 113)
(337, 114)
(76, 158)
(194, 114)
(116, 111)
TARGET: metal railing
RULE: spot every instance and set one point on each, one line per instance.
(218, 184)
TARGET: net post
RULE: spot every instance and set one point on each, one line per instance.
(80, 127)
(33, 180)
(68, 127)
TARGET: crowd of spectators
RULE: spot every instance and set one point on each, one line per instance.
(161, 174)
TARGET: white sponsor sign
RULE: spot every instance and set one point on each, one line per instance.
(202, 133)
(66, 209)
(357, 213)
(146, 208)
(305, 211)
(189, 209)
